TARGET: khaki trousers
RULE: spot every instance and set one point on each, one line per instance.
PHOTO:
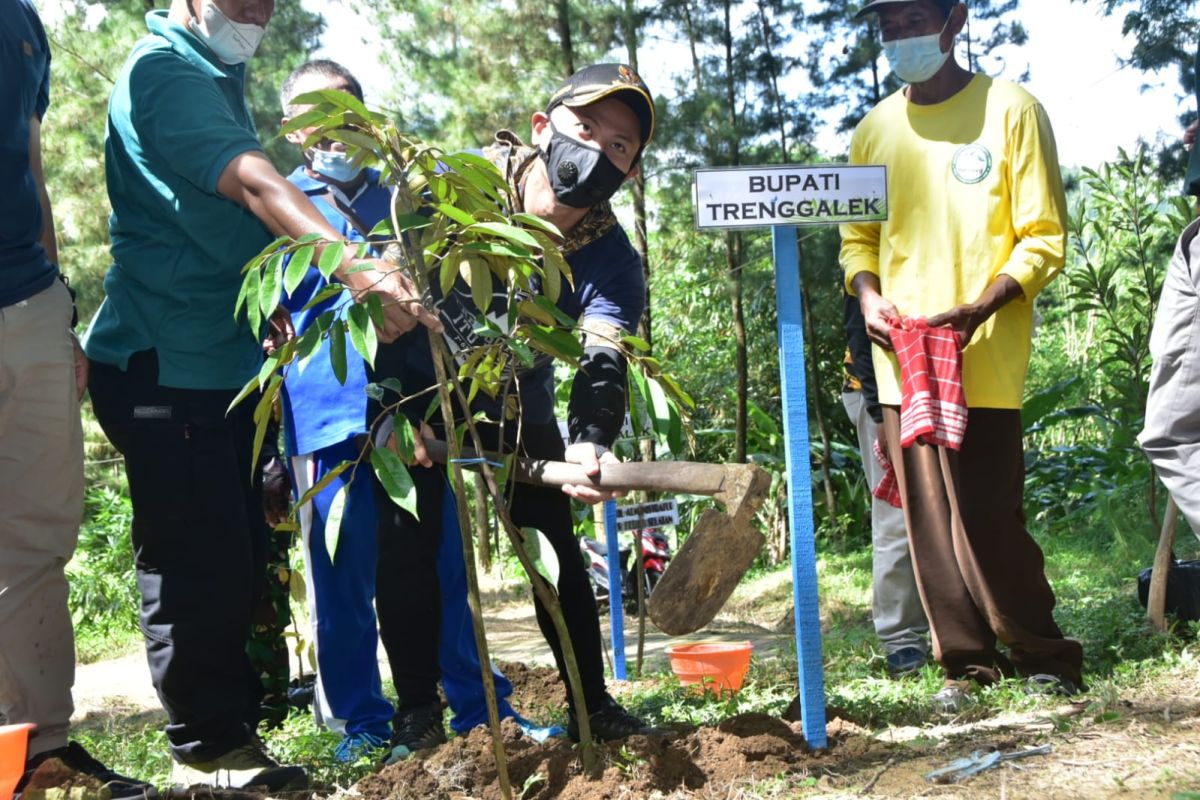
(979, 571)
(895, 603)
(41, 504)
(1171, 437)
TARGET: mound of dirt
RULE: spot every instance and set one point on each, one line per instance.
(705, 762)
(535, 689)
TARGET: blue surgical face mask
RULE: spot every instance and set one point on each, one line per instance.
(918, 58)
(334, 164)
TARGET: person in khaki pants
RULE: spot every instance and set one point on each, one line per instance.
(1171, 436)
(42, 376)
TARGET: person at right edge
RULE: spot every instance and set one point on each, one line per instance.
(586, 143)
(1171, 436)
(976, 228)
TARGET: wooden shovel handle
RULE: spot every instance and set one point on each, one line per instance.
(659, 476)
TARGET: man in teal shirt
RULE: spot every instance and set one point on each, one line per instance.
(193, 199)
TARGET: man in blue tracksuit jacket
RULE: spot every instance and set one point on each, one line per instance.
(325, 423)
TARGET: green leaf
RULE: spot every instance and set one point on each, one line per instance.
(557, 343)
(331, 258)
(254, 314)
(362, 333)
(314, 117)
(250, 387)
(266, 251)
(537, 222)
(406, 440)
(320, 485)
(498, 249)
(658, 406)
(539, 550)
(449, 271)
(636, 343)
(272, 285)
(375, 310)
(355, 139)
(337, 351)
(481, 284)
(309, 237)
(508, 232)
(333, 521)
(553, 310)
(457, 214)
(297, 267)
(332, 290)
(395, 479)
(535, 312)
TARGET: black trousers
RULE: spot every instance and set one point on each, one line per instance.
(407, 594)
(199, 539)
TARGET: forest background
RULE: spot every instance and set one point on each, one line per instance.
(465, 69)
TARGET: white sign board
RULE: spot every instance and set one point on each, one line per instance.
(819, 194)
(658, 514)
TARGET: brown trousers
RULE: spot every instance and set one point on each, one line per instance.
(980, 574)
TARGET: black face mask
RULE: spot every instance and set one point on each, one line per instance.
(581, 176)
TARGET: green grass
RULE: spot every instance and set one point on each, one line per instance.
(1091, 563)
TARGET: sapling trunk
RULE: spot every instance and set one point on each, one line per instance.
(468, 548)
(545, 593)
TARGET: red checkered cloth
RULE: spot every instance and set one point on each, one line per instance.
(933, 406)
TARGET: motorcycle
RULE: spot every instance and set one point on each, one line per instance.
(656, 552)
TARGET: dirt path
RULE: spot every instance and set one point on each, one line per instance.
(122, 685)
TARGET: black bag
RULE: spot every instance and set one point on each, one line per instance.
(1183, 589)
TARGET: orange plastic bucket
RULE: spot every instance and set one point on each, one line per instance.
(13, 740)
(718, 666)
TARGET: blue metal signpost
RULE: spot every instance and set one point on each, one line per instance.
(799, 470)
(616, 606)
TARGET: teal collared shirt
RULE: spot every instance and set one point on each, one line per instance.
(176, 118)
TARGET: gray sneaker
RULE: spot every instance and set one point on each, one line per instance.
(241, 768)
(952, 699)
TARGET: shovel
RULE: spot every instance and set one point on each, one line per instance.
(713, 559)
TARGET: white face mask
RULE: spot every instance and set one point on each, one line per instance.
(334, 164)
(232, 42)
(916, 59)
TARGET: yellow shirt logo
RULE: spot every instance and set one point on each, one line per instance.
(972, 163)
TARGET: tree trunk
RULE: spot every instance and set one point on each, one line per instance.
(733, 267)
(774, 76)
(562, 12)
(733, 252)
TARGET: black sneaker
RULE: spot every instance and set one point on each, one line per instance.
(905, 661)
(415, 729)
(610, 722)
(241, 768)
(75, 757)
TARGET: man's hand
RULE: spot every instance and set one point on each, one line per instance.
(420, 454)
(965, 319)
(277, 491)
(591, 457)
(402, 307)
(1189, 136)
(877, 310)
(81, 367)
(280, 330)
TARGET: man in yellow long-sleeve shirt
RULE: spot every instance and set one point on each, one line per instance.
(976, 229)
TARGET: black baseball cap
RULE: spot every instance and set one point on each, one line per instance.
(873, 6)
(598, 81)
